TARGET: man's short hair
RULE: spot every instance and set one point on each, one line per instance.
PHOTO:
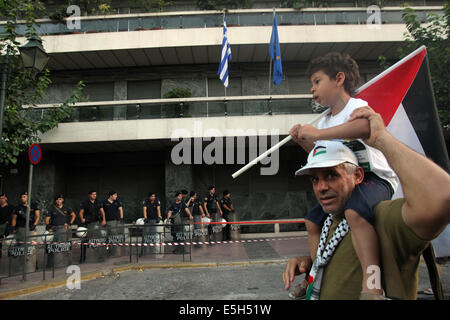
(184, 192)
(211, 187)
(150, 194)
(177, 193)
(334, 62)
(92, 191)
(23, 194)
(111, 193)
(60, 195)
(192, 193)
(225, 192)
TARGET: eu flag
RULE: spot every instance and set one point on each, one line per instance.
(275, 53)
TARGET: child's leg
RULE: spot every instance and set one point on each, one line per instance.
(365, 243)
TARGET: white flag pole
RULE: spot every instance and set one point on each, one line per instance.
(274, 148)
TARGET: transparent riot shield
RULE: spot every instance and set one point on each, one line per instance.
(115, 238)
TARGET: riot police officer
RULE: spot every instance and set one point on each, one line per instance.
(58, 219)
(195, 206)
(19, 216)
(59, 215)
(211, 204)
(90, 215)
(151, 208)
(227, 208)
(6, 211)
(180, 213)
(90, 210)
(112, 208)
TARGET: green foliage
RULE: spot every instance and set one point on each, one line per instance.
(434, 34)
(178, 93)
(23, 123)
(159, 5)
(224, 4)
(300, 4)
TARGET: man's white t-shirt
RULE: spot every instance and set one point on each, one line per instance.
(377, 163)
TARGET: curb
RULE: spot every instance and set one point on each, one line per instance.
(135, 267)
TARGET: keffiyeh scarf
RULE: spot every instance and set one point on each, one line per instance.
(324, 255)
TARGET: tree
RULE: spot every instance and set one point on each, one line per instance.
(434, 34)
(23, 124)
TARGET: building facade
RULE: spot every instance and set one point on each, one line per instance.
(121, 136)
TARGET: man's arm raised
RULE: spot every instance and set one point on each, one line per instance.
(425, 185)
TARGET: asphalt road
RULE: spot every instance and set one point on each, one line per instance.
(249, 282)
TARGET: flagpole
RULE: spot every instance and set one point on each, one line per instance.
(275, 147)
(226, 110)
(271, 60)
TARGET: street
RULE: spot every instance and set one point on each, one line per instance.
(248, 282)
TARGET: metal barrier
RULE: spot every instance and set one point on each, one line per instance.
(96, 244)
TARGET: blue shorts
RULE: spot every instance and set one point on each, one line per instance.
(365, 196)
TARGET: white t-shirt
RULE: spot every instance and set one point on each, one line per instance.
(373, 160)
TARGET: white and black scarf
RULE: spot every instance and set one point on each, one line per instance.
(324, 255)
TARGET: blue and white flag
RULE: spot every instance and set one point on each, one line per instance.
(225, 57)
(275, 53)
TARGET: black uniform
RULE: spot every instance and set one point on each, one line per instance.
(178, 208)
(6, 214)
(111, 209)
(91, 210)
(211, 203)
(59, 216)
(226, 213)
(21, 212)
(152, 208)
(228, 203)
(194, 206)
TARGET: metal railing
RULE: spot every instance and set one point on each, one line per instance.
(184, 108)
(49, 252)
(209, 19)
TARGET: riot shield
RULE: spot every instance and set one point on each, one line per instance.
(116, 236)
(16, 253)
(217, 234)
(94, 244)
(58, 247)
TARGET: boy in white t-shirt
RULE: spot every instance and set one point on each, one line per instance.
(334, 78)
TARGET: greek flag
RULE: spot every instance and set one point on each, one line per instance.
(225, 57)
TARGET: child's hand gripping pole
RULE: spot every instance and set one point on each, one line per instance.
(274, 148)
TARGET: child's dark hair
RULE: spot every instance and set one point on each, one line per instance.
(334, 62)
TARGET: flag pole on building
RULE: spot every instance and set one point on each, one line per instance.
(275, 55)
(225, 57)
(270, 54)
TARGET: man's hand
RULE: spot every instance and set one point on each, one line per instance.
(103, 223)
(295, 267)
(377, 128)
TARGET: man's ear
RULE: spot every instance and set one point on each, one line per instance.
(359, 175)
(340, 78)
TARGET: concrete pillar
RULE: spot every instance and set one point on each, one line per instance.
(47, 181)
(177, 177)
(120, 93)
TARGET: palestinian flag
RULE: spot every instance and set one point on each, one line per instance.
(404, 97)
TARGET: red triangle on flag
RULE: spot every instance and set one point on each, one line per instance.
(385, 92)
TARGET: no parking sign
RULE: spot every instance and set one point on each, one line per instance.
(35, 153)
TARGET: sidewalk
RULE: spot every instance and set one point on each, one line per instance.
(271, 250)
